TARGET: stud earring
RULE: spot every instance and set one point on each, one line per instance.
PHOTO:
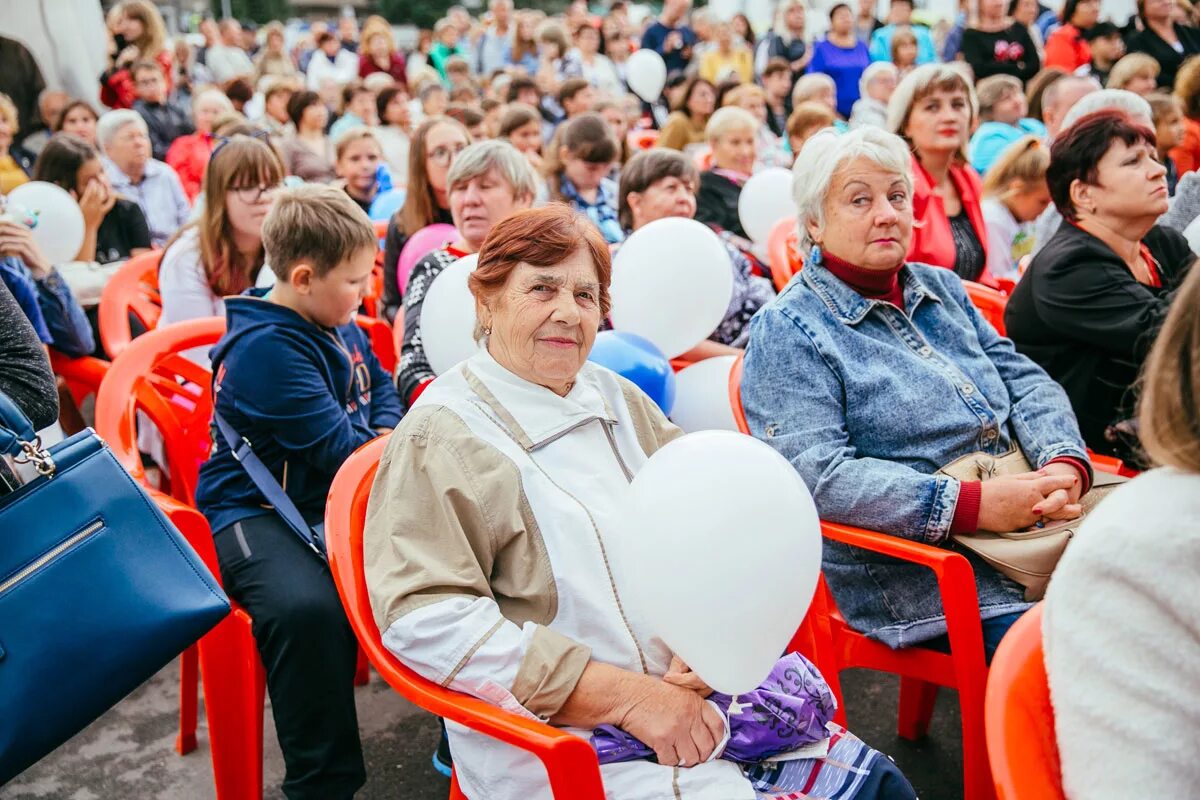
(487, 331)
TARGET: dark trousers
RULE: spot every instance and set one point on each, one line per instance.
(307, 648)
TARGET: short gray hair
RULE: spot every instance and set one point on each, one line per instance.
(479, 158)
(827, 151)
(111, 123)
(920, 82)
(807, 85)
(875, 69)
(728, 119)
(1121, 99)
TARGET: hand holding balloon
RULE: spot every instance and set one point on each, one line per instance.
(681, 675)
(681, 728)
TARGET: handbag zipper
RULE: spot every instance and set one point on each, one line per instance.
(50, 555)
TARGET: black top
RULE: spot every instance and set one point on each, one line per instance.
(26, 377)
(969, 258)
(165, 123)
(393, 243)
(1007, 52)
(1081, 315)
(122, 230)
(1168, 58)
(717, 203)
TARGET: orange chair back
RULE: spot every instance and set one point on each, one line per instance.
(783, 252)
(642, 140)
(133, 290)
(989, 302)
(382, 343)
(735, 393)
(152, 376)
(1018, 717)
(570, 761)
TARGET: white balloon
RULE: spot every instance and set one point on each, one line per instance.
(59, 230)
(765, 199)
(671, 283)
(647, 74)
(702, 396)
(722, 549)
(448, 316)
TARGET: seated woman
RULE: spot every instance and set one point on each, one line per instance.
(661, 183)
(769, 148)
(934, 109)
(221, 253)
(488, 182)
(684, 128)
(577, 172)
(488, 531)
(188, 155)
(114, 228)
(1002, 120)
(78, 118)
(870, 373)
(308, 152)
(732, 133)
(1091, 302)
(1014, 195)
(1119, 608)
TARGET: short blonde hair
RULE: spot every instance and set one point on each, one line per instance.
(729, 119)
(1025, 160)
(8, 112)
(737, 95)
(1132, 66)
(315, 224)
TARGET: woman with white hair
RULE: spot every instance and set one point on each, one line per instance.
(875, 88)
(934, 109)
(487, 182)
(816, 87)
(153, 185)
(871, 373)
(733, 135)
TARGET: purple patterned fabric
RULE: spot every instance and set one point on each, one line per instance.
(789, 710)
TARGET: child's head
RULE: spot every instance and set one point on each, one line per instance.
(1136, 72)
(586, 151)
(1106, 43)
(522, 126)
(1168, 120)
(471, 118)
(321, 247)
(1018, 178)
(807, 119)
(357, 159)
(576, 96)
(777, 78)
(1001, 99)
(148, 82)
(391, 106)
(904, 46)
(359, 101)
(434, 99)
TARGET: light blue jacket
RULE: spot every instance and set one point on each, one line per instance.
(881, 44)
(867, 402)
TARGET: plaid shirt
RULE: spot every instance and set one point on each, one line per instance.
(603, 212)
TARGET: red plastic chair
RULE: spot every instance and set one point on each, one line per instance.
(921, 670)
(132, 290)
(642, 140)
(569, 760)
(1019, 718)
(990, 303)
(83, 375)
(785, 260)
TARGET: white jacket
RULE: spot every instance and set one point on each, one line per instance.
(493, 558)
(342, 70)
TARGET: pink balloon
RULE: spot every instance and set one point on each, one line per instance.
(420, 244)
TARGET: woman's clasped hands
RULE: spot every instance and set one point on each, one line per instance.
(1015, 502)
(672, 718)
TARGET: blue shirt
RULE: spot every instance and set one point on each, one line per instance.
(845, 67)
(881, 44)
(655, 37)
(159, 194)
(991, 139)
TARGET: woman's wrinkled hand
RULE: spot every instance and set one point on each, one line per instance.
(681, 728)
(1015, 502)
(681, 675)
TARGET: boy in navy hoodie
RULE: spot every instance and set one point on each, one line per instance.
(296, 378)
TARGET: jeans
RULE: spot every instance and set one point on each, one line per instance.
(307, 648)
(993, 631)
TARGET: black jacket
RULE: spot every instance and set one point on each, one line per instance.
(717, 203)
(1081, 315)
(165, 122)
(1168, 58)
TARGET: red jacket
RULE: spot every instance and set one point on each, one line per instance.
(367, 66)
(188, 156)
(932, 242)
(117, 91)
(1067, 49)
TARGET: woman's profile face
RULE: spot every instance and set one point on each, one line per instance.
(868, 216)
(544, 320)
(939, 122)
(1130, 182)
(1142, 84)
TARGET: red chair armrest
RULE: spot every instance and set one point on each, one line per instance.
(86, 370)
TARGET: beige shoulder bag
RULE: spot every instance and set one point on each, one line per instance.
(1028, 556)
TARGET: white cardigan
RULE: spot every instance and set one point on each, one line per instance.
(1122, 638)
(183, 282)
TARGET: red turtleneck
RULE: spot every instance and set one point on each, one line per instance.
(874, 284)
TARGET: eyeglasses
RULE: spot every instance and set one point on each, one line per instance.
(221, 141)
(255, 194)
(442, 156)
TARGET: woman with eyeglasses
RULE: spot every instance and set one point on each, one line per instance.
(221, 252)
(434, 147)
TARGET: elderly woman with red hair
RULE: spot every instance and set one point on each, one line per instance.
(487, 533)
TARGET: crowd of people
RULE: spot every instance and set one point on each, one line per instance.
(1042, 152)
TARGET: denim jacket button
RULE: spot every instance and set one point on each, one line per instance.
(926, 351)
(770, 430)
(968, 389)
(990, 435)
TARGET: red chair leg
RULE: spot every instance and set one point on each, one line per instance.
(916, 707)
(455, 792)
(234, 686)
(362, 674)
(189, 687)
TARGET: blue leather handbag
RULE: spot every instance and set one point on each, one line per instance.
(98, 591)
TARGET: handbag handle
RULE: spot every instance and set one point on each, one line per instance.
(19, 440)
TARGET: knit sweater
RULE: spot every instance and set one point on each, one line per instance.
(1122, 642)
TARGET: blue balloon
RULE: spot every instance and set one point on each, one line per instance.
(636, 359)
(386, 204)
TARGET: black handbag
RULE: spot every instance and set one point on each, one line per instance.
(98, 590)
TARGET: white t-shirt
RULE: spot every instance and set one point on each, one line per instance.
(1008, 240)
(183, 283)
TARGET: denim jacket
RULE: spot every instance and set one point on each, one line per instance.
(867, 402)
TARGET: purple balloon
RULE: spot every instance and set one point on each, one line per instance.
(420, 244)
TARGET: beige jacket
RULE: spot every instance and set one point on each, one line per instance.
(493, 557)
